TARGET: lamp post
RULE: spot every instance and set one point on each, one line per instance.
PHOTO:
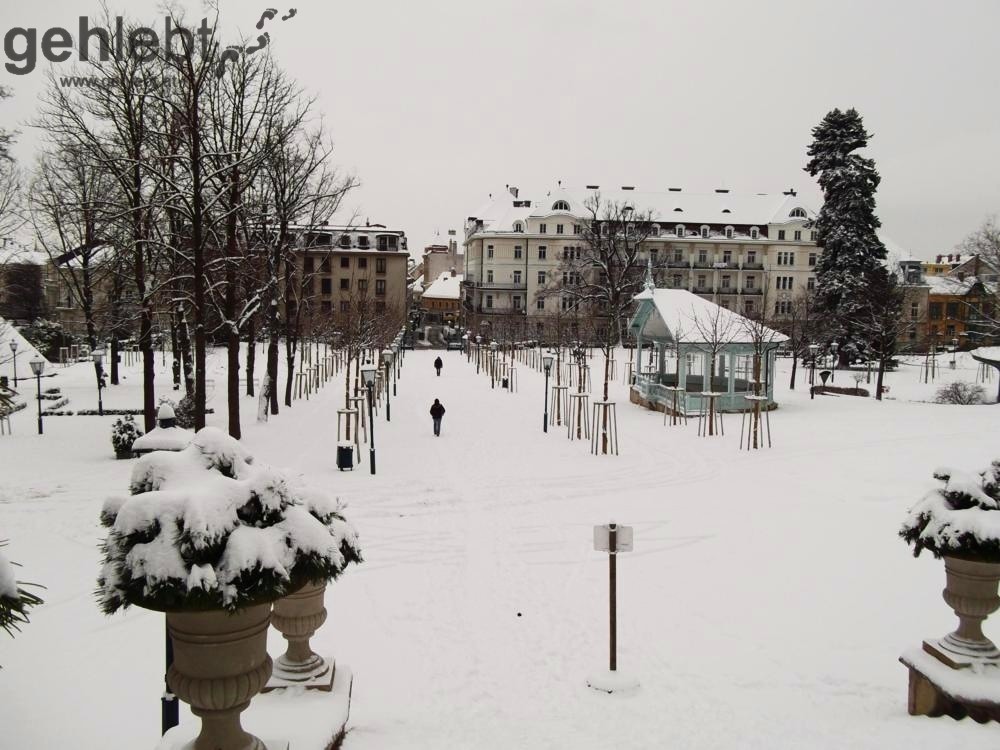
(368, 375)
(954, 348)
(493, 364)
(387, 359)
(37, 367)
(98, 357)
(479, 342)
(395, 369)
(13, 351)
(833, 365)
(813, 351)
(547, 364)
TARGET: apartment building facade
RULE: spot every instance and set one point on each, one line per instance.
(740, 251)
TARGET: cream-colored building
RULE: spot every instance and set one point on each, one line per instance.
(726, 246)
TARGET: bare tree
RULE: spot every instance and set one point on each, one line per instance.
(884, 323)
(757, 330)
(715, 328)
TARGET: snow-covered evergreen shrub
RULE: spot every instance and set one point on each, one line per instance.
(208, 528)
(15, 600)
(184, 412)
(961, 518)
(123, 433)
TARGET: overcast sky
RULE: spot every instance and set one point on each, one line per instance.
(435, 104)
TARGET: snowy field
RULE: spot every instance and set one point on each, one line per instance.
(765, 605)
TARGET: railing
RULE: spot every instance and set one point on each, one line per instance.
(500, 285)
(754, 291)
(678, 264)
(703, 290)
(753, 266)
(702, 264)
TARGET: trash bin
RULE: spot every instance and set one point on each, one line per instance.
(345, 456)
(506, 384)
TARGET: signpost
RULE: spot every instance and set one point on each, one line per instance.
(612, 538)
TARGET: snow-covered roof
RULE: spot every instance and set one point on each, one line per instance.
(990, 354)
(25, 352)
(445, 286)
(668, 207)
(686, 318)
(949, 284)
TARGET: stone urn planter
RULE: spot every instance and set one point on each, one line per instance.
(220, 663)
(213, 539)
(297, 617)
(971, 591)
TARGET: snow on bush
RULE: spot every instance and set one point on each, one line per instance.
(960, 518)
(15, 600)
(123, 433)
(207, 527)
(960, 392)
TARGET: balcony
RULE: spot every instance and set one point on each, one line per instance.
(753, 266)
(678, 264)
(703, 290)
(728, 290)
(501, 285)
(702, 263)
(753, 291)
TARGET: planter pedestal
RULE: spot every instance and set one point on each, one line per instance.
(297, 617)
(220, 663)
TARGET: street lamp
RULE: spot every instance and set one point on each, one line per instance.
(547, 364)
(37, 367)
(13, 350)
(368, 375)
(954, 348)
(98, 357)
(493, 364)
(833, 365)
(387, 360)
(813, 351)
(479, 342)
(395, 370)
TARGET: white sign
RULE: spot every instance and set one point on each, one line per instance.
(602, 538)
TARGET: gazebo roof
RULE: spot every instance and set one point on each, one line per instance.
(681, 317)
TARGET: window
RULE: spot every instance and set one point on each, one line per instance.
(702, 256)
(729, 233)
(812, 260)
(754, 233)
(541, 253)
(308, 264)
(797, 236)
(951, 310)
(380, 265)
(751, 256)
(380, 287)
(677, 280)
(325, 286)
(345, 240)
(324, 265)
(704, 232)
(811, 283)
(797, 213)
(783, 307)
(560, 206)
(518, 226)
(362, 285)
(654, 230)
(489, 251)
(783, 282)
(727, 256)
(543, 229)
(577, 229)
(679, 230)
(750, 283)
(812, 236)
(345, 262)
(786, 258)
(567, 303)
(678, 255)
(725, 281)
(559, 228)
(540, 303)
(701, 281)
(345, 306)
(489, 276)
(517, 301)
(489, 301)
(935, 310)
(914, 311)
(748, 306)
(517, 277)
(362, 241)
(345, 284)
(517, 252)
(362, 262)
(541, 278)
(781, 234)
(326, 306)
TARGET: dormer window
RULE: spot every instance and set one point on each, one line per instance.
(560, 206)
(704, 231)
(654, 231)
(679, 230)
(797, 213)
(518, 226)
(726, 211)
(345, 240)
(729, 233)
(754, 233)
(678, 210)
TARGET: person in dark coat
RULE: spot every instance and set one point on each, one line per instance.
(438, 364)
(437, 411)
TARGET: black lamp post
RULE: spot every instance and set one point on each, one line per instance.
(37, 367)
(387, 359)
(13, 351)
(98, 357)
(547, 363)
(395, 367)
(833, 365)
(368, 375)
(813, 350)
(479, 342)
(493, 364)
(954, 348)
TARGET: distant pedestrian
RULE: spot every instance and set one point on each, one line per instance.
(437, 411)
(438, 364)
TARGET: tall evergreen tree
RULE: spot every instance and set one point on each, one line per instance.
(846, 224)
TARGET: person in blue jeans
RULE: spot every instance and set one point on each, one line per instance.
(437, 412)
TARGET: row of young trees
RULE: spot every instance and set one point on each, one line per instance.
(167, 191)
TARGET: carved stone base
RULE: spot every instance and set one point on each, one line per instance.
(936, 689)
(319, 677)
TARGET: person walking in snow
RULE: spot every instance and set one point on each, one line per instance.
(438, 364)
(437, 411)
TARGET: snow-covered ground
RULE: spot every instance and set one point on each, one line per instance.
(765, 605)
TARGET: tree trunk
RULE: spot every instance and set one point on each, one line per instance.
(232, 325)
(795, 362)
(148, 366)
(251, 352)
(878, 381)
(114, 358)
(198, 251)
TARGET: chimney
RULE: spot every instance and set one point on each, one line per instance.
(513, 190)
(453, 271)
(939, 258)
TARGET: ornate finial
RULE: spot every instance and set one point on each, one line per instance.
(649, 285)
